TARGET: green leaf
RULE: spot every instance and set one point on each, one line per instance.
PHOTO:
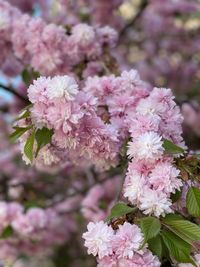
(171, 148)
(26, 77)
(25, 114)
(156, 246)
(120, 209)
(35, 74)
(184, 228)
(170, 217)
(195, 14)
(178, 248)
(19, 131)
(7, 232)
(150, 227)
(176, 196)
(43, 137)
(33, 204)
(193, 201)
(28, 148)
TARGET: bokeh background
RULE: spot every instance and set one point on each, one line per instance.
(161, 39)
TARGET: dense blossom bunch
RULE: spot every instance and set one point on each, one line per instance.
(47, 47)
(79, 118)
(151, 176)
(8, 15)
(118, 248)
(32, 230)
(59, 105)
(85, 120)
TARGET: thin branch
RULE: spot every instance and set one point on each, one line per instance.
(4, 108)
(142, 7)
(14, 92)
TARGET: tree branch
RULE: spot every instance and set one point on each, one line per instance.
(14, 92)
(4, 108)
(142, 7)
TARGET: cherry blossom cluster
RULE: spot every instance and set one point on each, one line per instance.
(59, 104)
(96, 120)
(90, 123)
(32, 230)
(91, 120)
(48, 48)
(119, 247)
(151, 176)
(119, 94)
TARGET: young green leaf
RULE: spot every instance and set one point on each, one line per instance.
(178, 248)
(28, 148)
(170, 217)
(175, 197)
(7, 232)
(26, 77)
(25, 114)
(120, 209)
(33, 204)
(184, 228)
(43, 137)
(171, 148)
(19, 131)
(193, 201)
(35, 74)
(150, 227)
(156, 246)
(29, 75)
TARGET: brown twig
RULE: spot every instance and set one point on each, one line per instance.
(14, 92)
(4, 108)
(142, 7)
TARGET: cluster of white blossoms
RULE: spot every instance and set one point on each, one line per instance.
(118, 248)
(151, 175)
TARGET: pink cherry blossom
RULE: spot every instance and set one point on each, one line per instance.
(98, 239)
(127, 240)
